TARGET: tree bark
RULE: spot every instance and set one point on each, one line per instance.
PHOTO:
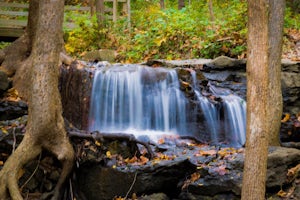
(211, 11)
(276, 20)
(100, 12)
(262, 90)
(181, 4)
(45, 128)
(162, 4)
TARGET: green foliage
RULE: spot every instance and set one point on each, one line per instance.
(170, 33)
(4, 44)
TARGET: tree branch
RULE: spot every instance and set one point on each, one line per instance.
(96, 135)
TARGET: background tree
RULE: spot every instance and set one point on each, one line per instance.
(162, 4)
(37, 81)
(181, 4)
(265, 19)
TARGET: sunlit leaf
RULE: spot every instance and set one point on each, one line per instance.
(286, 118)
(281, 193)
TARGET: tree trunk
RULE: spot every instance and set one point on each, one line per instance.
(45, 127)
(162, 4)
(181, 4)
(92, 6)
(211, 11)
(276, 20)
(100, 12)
(262, 88)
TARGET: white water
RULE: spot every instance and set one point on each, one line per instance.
(137, 99)
(147, 101)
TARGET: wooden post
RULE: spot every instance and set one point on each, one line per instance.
(115, 10)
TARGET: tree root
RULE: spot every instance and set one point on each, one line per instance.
(110, 136)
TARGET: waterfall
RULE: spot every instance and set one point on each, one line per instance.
(148, 101)
(137, 99)
(231, 110)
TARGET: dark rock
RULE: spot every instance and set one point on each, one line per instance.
(280, 159)
(224, 62)
(4, 82)
(190, 196)
(102, 183)
(12, 109)
(75, 86)
(158, 196)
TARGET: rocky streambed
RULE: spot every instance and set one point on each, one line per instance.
(182, 168)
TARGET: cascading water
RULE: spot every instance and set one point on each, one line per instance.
(148, 101)
(138, 100)
(231, 110)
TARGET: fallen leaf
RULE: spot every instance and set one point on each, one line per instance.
(144, 160)
(97, 143)
(108, 154)
(281, 193)
(211, 152)
(286, 118)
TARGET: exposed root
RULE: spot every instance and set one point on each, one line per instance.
(111, 136)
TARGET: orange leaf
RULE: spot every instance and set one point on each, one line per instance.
(208, 152)
(195, 176)
(286, 118)
(144, 159)
(131, 160)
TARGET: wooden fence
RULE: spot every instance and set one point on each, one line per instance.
(13, 16)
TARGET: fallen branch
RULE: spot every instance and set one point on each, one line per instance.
(96, 135)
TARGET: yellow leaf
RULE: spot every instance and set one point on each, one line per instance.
(97, 143)
(159, 41)
(108, 154)
(4, 131)
(281, 193)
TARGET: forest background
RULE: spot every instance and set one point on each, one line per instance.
(202, 29)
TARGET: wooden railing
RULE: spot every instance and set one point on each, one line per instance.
(13, 16)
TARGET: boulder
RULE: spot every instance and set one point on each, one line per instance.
(101, 55)
(104, 183)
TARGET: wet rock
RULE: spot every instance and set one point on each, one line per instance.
(102, 183)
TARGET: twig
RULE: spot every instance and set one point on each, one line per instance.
(15, 139)
(133, 182)
(36, 168)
